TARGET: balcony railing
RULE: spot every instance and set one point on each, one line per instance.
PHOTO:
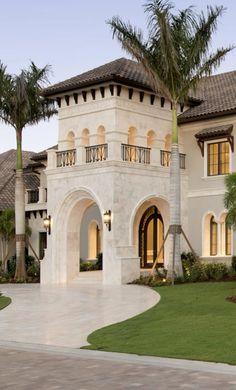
(66, 158)
(96, 153)
(137, 154)
(166, 159)
(33, 196)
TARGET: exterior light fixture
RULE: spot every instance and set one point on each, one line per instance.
(47, 223)
(107, 219)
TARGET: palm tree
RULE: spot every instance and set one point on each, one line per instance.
(175, 56)
(7, 232)
(21, 104)
(230, 199)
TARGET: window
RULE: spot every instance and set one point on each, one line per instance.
(218, 158)
(213, 237)
(227, 239)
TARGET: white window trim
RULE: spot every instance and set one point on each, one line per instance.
(217, 140)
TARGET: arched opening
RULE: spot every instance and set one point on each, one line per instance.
(151, 236)
(91, 234)
(101, 135)
(70, 235)
(85, 137)
(151, 137)
(70, 139)
(132, 133)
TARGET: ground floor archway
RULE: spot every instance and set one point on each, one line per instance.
(151, 236)
(150, 223)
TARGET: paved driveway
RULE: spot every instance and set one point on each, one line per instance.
(66, 315)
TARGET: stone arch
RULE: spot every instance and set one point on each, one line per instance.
(151, 138)
(67, 222)
(101, 135)
(85, 137)
(70, 140)
(132, 133)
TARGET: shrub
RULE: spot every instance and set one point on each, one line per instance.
(152, 281)
(34, 270)
(233, 264)
(99, 262)
(86, 266)
(216, 271)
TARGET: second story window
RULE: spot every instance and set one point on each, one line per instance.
(218, 158)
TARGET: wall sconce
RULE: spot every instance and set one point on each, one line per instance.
(47, 223)
(107, 219)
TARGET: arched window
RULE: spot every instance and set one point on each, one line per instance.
(132, 132)
(151, 138)
(101, 135)
(85, 137)
(70, 140)
(213, 237)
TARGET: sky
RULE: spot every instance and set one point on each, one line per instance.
(72, 36)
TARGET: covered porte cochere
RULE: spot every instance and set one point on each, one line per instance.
(79, 234)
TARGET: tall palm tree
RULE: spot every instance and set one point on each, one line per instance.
(175, 56)
(21, 104)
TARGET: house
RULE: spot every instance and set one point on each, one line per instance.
(108, 182)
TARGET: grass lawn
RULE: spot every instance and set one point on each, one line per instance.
(192, 321)
(4, 301)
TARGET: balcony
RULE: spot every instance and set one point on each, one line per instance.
(137, 154)
(166, 159)
(66, 158)
(33, 196)
(96, 153)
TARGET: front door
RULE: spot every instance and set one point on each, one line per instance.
(151, 235)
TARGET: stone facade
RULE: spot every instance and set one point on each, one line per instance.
(113, 155)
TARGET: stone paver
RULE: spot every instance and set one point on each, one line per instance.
(24, 369)
(66, 315)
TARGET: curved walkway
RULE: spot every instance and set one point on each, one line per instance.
(66, 315)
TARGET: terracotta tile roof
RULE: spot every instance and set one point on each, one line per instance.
(214, 131)
(7, 177)
(219, 98)
(43, 154)
(121, 70)
(215, 95)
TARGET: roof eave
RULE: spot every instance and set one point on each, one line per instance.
(206, 116)
(111, 78)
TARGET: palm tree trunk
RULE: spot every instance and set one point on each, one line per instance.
(175, 265)
(20, 273)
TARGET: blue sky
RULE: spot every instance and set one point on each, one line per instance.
(72, 37)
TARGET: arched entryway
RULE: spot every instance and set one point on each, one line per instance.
(151, 236)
